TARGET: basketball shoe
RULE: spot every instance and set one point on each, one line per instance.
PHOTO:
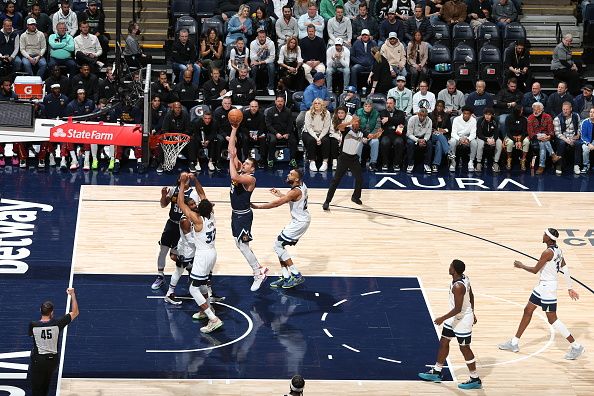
(294, 280)
(258, 279)
(158, 282)
(172, 299)
(574, 353)
(508, 346)
(431, 375)
(472, 383)
(212, 325)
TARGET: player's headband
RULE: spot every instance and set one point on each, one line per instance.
(548, 233)
(295, 389)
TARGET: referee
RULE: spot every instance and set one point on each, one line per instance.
(46, 334)
(352, 143)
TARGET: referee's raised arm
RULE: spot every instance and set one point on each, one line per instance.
(73, 303)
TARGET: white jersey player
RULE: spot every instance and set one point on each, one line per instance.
(457, 323)
(300, 219)
(183, 254)
(205, 255)
(544, 294)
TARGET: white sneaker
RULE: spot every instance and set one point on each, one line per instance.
(410, 168)
(74, 165)
(197, 167)
(212, 325)
(453, 165)
(201, 315)
(427, 168)
(87, 164)
(324, 166)
(52, 160)
(508, 346)
(334, 164)
(470, 166)
(312, 166)
(22, 164)
(171, 299)
(41, 164)
(211, 167)
(574, 353)
(258, 279)
(576, 169)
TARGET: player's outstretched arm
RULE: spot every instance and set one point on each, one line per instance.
(198, 185)
(165, 200)
(546, 256)
(291, 196)
(234, 163)
(189, 213)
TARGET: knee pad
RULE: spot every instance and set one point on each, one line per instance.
(198, 297)
(281, 252)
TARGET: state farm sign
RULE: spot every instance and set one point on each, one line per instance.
(97, 133)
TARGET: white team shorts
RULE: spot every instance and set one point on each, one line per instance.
(204, 262)
(293, 231)
(545, 296)
(459, 326)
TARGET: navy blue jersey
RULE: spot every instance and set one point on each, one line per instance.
(240, 197)
(175, 212)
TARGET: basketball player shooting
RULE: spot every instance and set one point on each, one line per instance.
(300, 220)
(170, 235)
(243, 184)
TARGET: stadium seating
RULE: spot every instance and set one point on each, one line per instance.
(464, 62)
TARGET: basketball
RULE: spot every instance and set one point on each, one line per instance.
(235, 117)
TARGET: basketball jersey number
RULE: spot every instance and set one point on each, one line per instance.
(46, 334)
(210, 236)
(305, 204)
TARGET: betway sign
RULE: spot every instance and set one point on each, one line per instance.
(97, 133)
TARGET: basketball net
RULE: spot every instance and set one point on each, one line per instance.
(172, 144)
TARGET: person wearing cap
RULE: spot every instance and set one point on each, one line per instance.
(364, 21)
(45, 333)
(418, 137)
(389, 25)
(33, 47)
(96, 18)
(9, 48)
(517, 64)
(350, 99)
(296, 386)
(583, 102)
(339, 26)
(87, 48)
(62, 49)
(44, 22)
(311, 18)
(402, 95)
(393, 50)
(361, 58)
(317, 89)
(338, 60)
(67, 16)
(418, 23)
(286, 26)
(262, 57)
(313, 52)
(567, 137)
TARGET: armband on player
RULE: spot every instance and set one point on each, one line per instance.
(567, 277)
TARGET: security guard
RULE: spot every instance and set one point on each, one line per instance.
(46, 333)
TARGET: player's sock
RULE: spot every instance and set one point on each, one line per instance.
(515, 341)
(294, 270)
(73, 155)
(474, 375)
(209, 313)
(285, 272)
(163, 250)
(174, 279)
(438, 367)
(94, 150)
(576, 345)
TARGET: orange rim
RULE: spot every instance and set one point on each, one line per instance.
(173, 138)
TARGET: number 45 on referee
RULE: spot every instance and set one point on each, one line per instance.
(46, 333)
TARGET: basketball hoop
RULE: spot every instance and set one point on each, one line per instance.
(172, 144)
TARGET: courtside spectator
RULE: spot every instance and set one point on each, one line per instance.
(564, 67)
(440, 125)
(33, 48)
(186, 91)
(184, 56)
(9, 48)
(418, 137)
(44, 22)
(479, 100)
(402, 95)
(517, 64)
(364, 21)
(504, 12)
(371, 128)
(393, 139)
(240, 25)
(453, 11)
(487, 138)
(311, 18)
(517, 136)
(328, 8)
(505, 102)
(67, 16)
(133, 53)
(382, 73)
(393, 50)
(286, 26)
(316, 135)
(556, 99)
(350, 100)
(453, 98)
(317, 89)
(96, 19)
(239, 56)
(351, 9)
(62, 49)
(290, 63)
(463, 133)
(583, 102)
(419, 23)
(423, 98)
(567, 136)
(338, 60)
(339, 26)
(541, 131)
(12, 15)
(279, 126)
(587, 141)
(211, 50)
(87, 48)
(534, 95)
(262, 56)
(361, 57)
(313, 52)
(391, 25)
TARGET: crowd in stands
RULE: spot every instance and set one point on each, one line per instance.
(336, 53)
